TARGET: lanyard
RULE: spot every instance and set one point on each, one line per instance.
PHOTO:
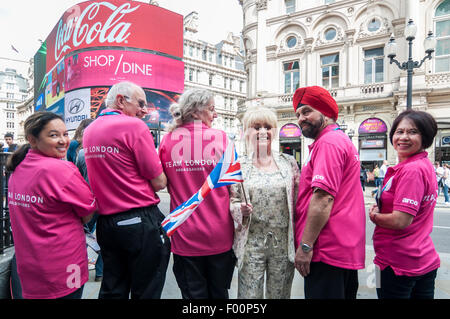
(380, 191)
(109, 113)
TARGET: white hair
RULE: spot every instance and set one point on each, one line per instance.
(191, 102)
(125, 88)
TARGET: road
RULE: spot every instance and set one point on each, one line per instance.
(440, 235)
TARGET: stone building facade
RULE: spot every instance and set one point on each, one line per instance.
(341, 45)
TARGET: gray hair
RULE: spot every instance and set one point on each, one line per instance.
(190, 102)
(123, 88)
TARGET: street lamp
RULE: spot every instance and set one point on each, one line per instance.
(410, 65)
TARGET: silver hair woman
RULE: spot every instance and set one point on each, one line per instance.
(194, 104)
(203, 258)
(264, 242)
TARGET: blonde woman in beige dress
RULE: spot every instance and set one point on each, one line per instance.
(264, 243)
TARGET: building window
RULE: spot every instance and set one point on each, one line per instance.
(330, 70)
(191, 75)
(241, 86)
(330, 34)
(210, 55)
(374, 65)
(9, 105)
(225, 79)
(9, 86)
(374, 25)
(291, 76)
(10, 96)
(211, 79)
(290, 6)
(191, 50)
(9, 124)
(329, 1)
(9, 115)
(442, 25)
(291, 42)
(204, 55)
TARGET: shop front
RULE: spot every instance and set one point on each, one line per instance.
(442, 146)
(372, 143)
(290, 141)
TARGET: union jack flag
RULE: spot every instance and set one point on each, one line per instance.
(226, 172)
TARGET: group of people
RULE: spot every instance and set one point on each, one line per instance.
(443, 180)
(276, 221)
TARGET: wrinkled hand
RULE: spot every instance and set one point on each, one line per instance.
(303, 261)
(374, 210)
(246, 209)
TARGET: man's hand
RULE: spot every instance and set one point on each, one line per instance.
(246, 209)
(303, 261)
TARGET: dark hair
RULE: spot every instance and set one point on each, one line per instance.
(33, 126)
(425, 123)
(9, 135)
(80, 129)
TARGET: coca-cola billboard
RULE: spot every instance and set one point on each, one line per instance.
(99, 43)
(115, 23)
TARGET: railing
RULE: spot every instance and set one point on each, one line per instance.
(5, 224)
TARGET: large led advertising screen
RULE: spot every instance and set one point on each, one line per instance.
(96, 44)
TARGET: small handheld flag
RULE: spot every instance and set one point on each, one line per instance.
(226, 172)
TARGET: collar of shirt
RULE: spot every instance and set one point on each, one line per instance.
(326, 130)
(410, 159)
(111, 110)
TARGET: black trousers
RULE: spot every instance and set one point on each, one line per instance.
(135, 251)
(204, 277)
(406, 287)
(329, 282)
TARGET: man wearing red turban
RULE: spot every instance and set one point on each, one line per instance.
(330, 214)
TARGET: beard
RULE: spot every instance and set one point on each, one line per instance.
(312, 129)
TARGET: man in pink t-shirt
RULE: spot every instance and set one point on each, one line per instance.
(330, 217)
(125, 172)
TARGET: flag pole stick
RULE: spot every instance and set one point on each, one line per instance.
(243, 191)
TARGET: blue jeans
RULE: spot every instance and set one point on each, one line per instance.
(406, 287)
(446, 193)
(99, 263)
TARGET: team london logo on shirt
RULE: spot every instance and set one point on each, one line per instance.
(24, 200)
(99, 151)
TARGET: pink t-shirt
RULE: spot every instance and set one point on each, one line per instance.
(47, 197)
(121, 160)
(409, 187)
(333, 166)
(188, 156)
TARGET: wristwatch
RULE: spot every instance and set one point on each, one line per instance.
(306, 248)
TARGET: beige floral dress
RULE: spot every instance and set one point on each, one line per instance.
(265, 249)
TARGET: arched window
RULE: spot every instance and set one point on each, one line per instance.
(442, 27)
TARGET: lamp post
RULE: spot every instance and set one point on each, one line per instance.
(410, 65)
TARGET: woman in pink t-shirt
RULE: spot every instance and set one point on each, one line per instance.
(404, 251)
(202, 246)
(49, 201)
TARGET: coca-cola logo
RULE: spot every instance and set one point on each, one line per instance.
(86, 27)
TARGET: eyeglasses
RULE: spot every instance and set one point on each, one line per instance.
(141, 103)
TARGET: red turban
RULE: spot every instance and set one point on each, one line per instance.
(318, 98)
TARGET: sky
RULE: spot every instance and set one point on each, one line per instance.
(24, 22)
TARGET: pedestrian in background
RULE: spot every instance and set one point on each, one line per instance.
(264, 236)
(125, 172)
(404, 250)
(11, 146)
(202, 246)
(363, 177)
(76, 143)
(48, 201)
(439, 170)
(330, 216)
(446, 183)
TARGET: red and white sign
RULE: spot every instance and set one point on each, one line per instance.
(108, 67)
(115, 23)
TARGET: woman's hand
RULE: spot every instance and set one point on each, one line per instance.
(246, 209)
(373, 211)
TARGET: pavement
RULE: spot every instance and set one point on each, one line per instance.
(367, 287)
